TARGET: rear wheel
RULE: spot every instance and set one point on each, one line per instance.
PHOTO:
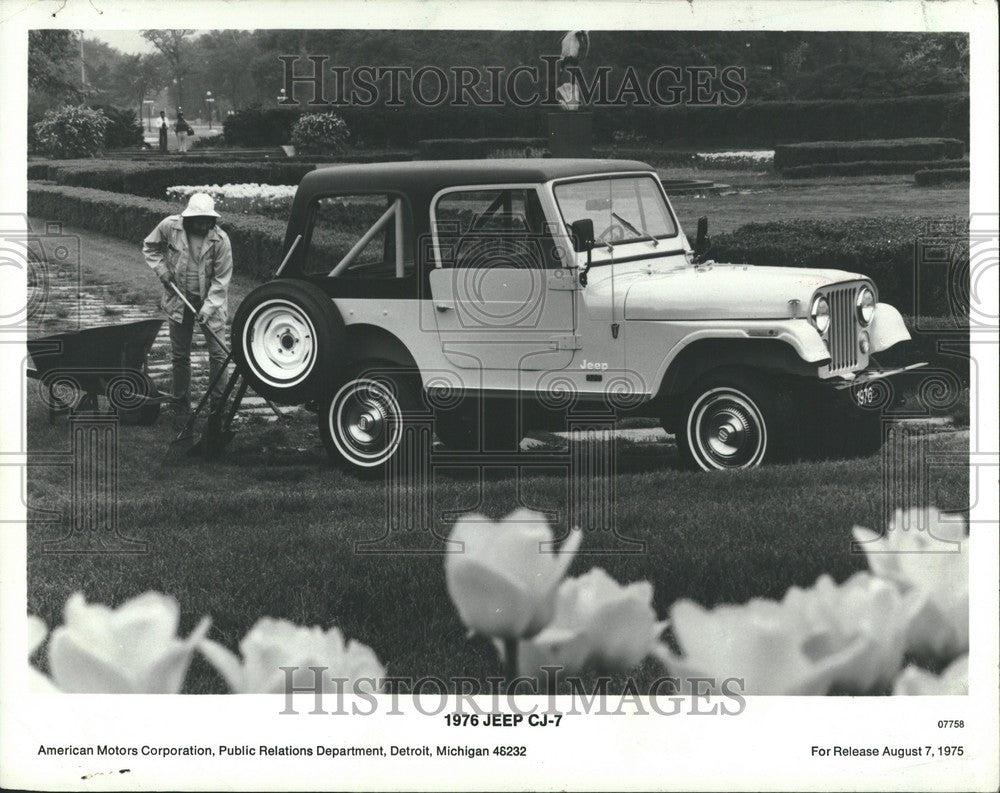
(737, 419)
(363, 424)
(287, 337)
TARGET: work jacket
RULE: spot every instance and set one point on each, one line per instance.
(166, 250)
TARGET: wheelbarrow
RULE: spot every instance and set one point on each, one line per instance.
(77, 368)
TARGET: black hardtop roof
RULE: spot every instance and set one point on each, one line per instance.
(434, 175)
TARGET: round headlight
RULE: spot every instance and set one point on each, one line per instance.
(820, 314)
(866, 306)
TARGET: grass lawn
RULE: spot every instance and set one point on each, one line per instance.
(271, 530)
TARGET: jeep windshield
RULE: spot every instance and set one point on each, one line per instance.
(624, 209)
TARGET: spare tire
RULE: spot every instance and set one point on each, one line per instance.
(287, 337)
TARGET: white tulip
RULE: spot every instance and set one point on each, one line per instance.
(954, 680)
(864, 608)
(761, 643)
(37, 631)
(597, 622)
(273, 643)
(132, 649)
(927, 552)
(504, 577)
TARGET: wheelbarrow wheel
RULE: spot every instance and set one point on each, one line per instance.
(287, 337)
(147, 411)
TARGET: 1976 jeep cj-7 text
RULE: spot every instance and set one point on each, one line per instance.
(499, 296)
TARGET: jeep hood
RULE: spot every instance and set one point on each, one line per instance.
(725, 291)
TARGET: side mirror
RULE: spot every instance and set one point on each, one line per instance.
(582, 233)
(702, 242)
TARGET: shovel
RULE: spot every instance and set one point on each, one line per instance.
(217, 433)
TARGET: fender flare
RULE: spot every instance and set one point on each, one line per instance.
(781, 347)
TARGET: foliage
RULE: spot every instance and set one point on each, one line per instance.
(124, 130)
(152, 179)
(255, 126)
(210, 142)
(884, 249)
(320, 133)
(72, 132)
(257, 241)
(832, 151)
(52, 59)
(463, 148)
(869, 167)
(940, 175)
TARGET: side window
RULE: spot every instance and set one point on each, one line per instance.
(354, 236)
(493, 228)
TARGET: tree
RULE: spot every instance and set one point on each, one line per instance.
(171, 44)
(53, 60)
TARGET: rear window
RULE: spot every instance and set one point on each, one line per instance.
(354, 236)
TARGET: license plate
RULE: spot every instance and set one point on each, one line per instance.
(866, 395)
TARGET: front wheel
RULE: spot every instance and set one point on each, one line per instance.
(737, 419)
(364, 423)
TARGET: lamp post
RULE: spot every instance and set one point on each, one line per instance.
(149, 114)
(281, 96)
(209, 100)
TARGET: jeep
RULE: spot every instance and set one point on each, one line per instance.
(493, 297)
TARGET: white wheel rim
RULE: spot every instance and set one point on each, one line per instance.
(726, 429)
(365, 422)
(280, 343)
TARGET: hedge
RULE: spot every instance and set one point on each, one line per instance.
(462, 148)
(830, 151)
(760, 124)
(869, 168)
(152, 181)
(886, 249)
(257, 240)
(939, 175)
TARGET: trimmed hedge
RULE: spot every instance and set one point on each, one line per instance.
(888, 250)
(912, 260)
(868, 168)
(940, 175)
(463, 148)
(834, 151)
(257, 240)
(152, 181)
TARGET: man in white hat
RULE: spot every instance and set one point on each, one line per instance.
(191, 251)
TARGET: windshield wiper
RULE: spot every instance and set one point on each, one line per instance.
(640, 235)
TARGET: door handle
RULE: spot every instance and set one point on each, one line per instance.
(442, 307)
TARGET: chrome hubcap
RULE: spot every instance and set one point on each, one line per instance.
(365, 422)
(727, 430)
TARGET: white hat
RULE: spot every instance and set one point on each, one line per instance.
(200, 205)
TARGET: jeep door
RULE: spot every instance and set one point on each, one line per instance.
(501, 298)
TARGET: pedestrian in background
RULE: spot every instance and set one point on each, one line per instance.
(183, 131)
(163, 132)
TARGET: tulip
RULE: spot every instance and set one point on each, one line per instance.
(37, 631)
(954, 680)
(273, 643)
(761, 643)
(597, 622)
(863, 608)
(503, 580)
(927, 552)
(132, 649)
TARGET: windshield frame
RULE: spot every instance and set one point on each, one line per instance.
(601, 177)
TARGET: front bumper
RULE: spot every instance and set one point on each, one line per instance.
(867, 376)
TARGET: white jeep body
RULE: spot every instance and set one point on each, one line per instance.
(474, 279)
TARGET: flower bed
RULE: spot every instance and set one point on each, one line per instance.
(243, 199)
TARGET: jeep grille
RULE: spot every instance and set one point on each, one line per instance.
(842, 336)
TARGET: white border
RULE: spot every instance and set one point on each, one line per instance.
(760, 749)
